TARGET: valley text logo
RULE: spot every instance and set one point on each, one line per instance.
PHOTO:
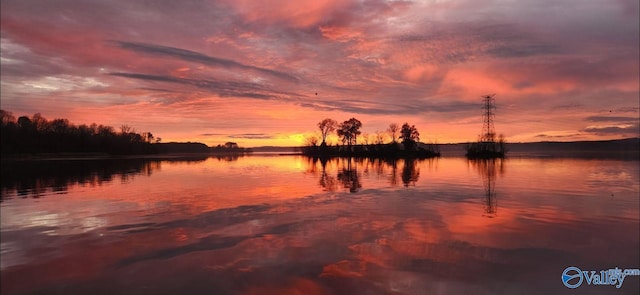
(573, 277)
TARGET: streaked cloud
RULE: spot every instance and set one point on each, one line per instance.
(267, 73)
(241, 135)
(222, 88)
(547, 136)
(629, 130)
(193, 56)
(251, 136)
(611, 119)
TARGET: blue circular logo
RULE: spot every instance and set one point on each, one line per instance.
(571, 273)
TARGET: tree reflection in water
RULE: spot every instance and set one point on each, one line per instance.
(393, 177)
(327, 181)
(350, 171)
(410, 173)
(348, 176)
(40, 177)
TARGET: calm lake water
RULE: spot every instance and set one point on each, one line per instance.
(292, 225)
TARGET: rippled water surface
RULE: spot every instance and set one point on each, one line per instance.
(293, 225)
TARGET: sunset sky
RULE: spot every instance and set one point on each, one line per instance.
(266, 72)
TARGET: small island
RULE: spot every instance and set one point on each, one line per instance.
(487, 147)
(348, 132)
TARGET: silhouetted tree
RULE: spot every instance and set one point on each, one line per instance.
(9, 130)
(365, 138)
(231, 145)
(349, 131)
(24, 122)
(379, 137)
(371, 146)
(312, 141)
(326, 126)
(502, 142)
(410, 136)
(39, 122)
(148, 137)
(39, 135)
(124, 129)
(6, 117)
(393, 130)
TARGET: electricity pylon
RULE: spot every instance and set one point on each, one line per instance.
(488, 131)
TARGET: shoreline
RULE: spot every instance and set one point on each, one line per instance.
(627, 155)
(104, 156)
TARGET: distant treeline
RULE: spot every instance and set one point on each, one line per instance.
(28, 135)
(37, 135)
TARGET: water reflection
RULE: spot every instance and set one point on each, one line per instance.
(488, 170)
(410, 172)
(393, 177)
(348, 176)
(327, 181)
(229, 157)
(38, 178)
(349, 173)
(287, 225)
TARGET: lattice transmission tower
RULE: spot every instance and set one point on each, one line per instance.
(488, 131)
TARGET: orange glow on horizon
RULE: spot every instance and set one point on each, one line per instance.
(229, 78)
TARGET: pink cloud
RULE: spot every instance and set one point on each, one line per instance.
(379, 61)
